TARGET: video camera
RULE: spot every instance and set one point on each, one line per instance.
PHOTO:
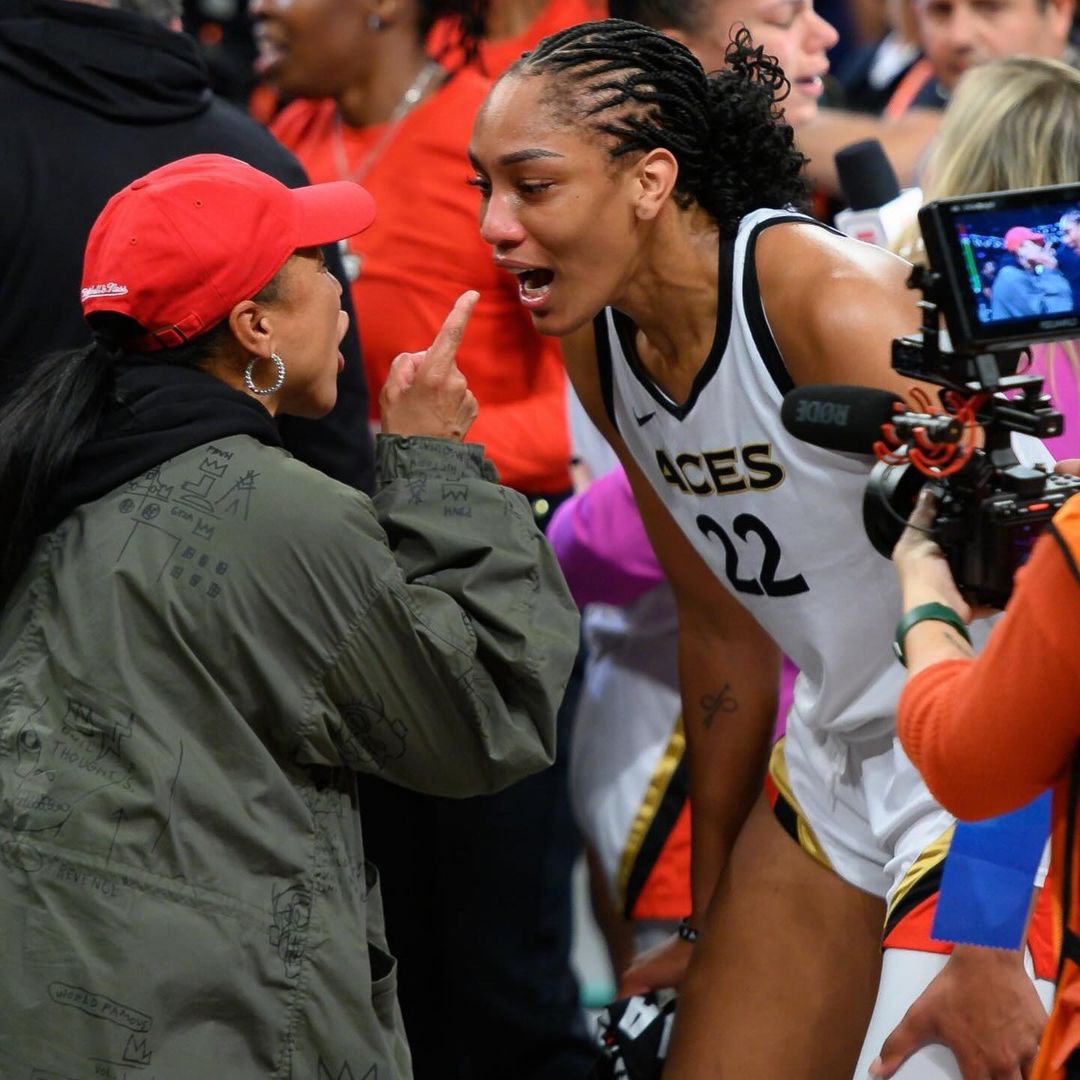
(994, 277)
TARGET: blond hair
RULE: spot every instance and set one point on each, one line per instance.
(1012, 123)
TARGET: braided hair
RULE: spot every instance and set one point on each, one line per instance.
(644, 90)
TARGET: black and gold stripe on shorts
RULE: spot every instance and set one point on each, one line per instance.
(664, 799)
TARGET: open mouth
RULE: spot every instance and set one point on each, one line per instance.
(534, 285)
(270, 53)
(811, 86)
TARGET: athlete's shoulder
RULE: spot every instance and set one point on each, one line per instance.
(796, 249)
(822, 291)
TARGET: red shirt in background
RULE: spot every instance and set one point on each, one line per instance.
(422, 253)
(494, 57)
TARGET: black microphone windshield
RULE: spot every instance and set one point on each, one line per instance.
(847, 418)
(867, 179)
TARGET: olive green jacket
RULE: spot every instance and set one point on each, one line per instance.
(192, 670)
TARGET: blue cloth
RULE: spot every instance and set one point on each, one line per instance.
(985, 896)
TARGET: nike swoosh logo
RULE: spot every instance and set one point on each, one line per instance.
(643, 420)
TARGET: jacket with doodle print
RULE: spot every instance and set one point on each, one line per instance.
(193, 669)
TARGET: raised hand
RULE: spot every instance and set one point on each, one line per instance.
(425, 393)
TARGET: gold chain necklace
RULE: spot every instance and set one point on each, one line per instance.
(408, 101)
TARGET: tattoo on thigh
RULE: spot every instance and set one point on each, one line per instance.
(723, 702)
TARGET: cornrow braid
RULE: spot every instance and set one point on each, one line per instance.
(645, 91)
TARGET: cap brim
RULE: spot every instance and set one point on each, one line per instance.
(331, 212)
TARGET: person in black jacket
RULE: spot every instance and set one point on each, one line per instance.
(93, 98)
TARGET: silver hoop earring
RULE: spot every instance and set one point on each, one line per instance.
(375, 22)
(263, 391)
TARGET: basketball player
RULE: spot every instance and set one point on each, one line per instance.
(634, 199)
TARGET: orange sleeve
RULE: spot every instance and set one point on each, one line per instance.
(529, 439)
(992, 733)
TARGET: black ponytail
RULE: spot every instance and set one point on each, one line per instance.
(645, 90)
(44, 422)
(53, 407)
(753, 161)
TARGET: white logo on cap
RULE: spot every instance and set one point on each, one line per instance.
(110, 288)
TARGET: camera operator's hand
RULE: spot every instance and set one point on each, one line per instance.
(425, 393)
(1070, 467)
(983, 1007)
(924, 572)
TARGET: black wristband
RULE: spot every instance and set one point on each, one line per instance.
(686, 932)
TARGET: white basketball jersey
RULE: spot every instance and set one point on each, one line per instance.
(777, 520)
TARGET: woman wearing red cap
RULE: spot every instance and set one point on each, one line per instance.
(1033, 285)
(202, 641)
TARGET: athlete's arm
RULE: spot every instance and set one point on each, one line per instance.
(729, 667)
(729, 675)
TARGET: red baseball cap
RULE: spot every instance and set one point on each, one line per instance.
(178, 248)
(1020, 234)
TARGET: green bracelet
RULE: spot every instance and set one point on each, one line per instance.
(937, 612)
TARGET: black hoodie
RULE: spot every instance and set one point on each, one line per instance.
(90, 99)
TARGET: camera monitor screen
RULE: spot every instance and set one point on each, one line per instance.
(1010, 264)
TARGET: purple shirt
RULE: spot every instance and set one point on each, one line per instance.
(601, 544)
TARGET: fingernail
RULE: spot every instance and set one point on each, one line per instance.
(875, 1067)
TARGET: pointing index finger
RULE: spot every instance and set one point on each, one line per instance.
(444, 348)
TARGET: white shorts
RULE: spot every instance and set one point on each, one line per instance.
(866, 813)
(869, 812)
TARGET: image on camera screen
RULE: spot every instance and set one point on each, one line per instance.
(1023, 262)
